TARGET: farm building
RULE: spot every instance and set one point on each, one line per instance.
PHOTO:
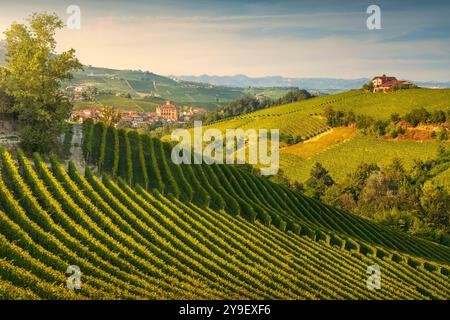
(386, 83)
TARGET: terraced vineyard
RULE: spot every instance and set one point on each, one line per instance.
(130, 243)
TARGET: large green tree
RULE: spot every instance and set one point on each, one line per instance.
(33, 77)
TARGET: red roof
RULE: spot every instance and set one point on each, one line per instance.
(384, 78)
(392, 83)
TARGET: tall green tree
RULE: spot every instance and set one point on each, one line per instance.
(33, 77)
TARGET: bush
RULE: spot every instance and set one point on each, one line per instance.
(110, 150)
(293, 227)
(153, 172)
(265, 219)
(125, 167)
(443, 134)
(418, 115)
(88, 126)
(278, 222)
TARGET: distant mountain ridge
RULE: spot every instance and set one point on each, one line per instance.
(305, 83)
(226, 88)
(278, 81)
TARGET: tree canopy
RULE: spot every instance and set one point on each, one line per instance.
(32, 80)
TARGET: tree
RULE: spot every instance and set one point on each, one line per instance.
(438, 116)
(436, 204)
(110, 116)
(356, 180)
(379, 193)
(319, 181)
(417, 115)
(32, 78)
(442, 134)
(368, 86)
(293, 96)
(379, 127)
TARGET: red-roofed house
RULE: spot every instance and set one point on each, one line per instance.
(385, 83)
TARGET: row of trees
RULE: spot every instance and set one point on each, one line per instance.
(390, 127)
(405, 199)
(421, 115)
(250, 104)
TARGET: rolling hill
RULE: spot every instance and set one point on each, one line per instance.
(304, 120)
(377, 105)
(181, 241)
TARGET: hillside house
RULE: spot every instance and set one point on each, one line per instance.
(386, 83)
(168, 112)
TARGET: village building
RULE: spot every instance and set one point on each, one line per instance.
(168, 112)
(386, 83)
(80, 115)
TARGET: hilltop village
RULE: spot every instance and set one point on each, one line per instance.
(168, 113)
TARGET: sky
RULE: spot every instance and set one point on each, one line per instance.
(311, 38)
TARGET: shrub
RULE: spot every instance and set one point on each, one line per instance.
(97, 139)
(111, 159)
(153, 172)
(88, 126)
(125, 167)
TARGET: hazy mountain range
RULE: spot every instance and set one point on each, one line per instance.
(304, 83)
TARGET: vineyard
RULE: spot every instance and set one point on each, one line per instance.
(133, 244)
(145, 162)
(344, 157)
(304, 119)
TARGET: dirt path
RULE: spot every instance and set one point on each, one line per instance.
(75, 150)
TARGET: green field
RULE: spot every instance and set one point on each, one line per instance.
(345, 157)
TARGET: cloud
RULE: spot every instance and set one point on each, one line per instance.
(271, 38)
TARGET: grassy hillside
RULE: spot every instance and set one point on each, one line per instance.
(341, 153)
(294, 118)
(133, 244)
(345, 155)
(139, 83)
(122, 103)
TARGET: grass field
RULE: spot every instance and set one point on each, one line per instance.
(345, 157)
